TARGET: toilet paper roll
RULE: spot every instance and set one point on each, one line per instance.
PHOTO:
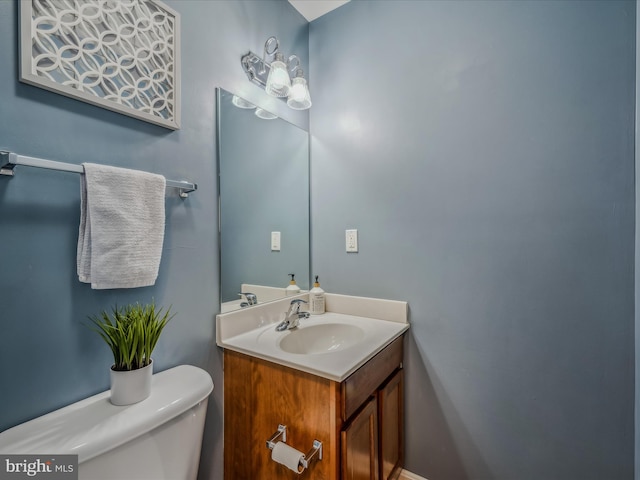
(287, 456)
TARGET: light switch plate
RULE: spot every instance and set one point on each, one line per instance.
(352, 240)
(275, 241)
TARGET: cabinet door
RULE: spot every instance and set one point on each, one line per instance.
(360, 445)
(391, 433)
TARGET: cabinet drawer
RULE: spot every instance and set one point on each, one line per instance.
(363, 382)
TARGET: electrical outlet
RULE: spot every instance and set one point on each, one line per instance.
(352, 240)
(275, 241)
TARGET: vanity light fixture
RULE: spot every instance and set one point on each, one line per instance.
(276, 77)
(299, 98)
(278, 81)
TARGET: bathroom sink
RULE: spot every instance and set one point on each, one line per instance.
(325, 338)
(332, 345)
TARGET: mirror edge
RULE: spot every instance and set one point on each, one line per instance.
(218, 97)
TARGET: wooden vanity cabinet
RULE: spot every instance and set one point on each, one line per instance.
(360, 444)
(359, 421)
(391, 422)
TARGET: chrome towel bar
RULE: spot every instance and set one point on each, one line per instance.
(9, 160)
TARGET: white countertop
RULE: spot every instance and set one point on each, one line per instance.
(251, 331)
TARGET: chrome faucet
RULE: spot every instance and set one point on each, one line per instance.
(251, 299)
(293, 316)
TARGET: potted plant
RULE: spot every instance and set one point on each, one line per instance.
(131, 332)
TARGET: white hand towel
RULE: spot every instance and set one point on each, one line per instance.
(121, 227)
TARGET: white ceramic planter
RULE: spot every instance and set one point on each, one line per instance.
(131, 386)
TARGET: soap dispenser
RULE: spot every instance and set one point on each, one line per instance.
(316, 299)
(292, 289)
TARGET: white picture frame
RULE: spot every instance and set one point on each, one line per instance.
(122, 55)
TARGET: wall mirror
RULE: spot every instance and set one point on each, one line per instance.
(263, 168)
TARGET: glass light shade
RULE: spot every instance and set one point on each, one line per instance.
(263, 114)
(241, 102)
(299, 98)
(278, 81)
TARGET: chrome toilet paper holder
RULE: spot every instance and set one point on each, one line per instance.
(280, 435)
(316, 449)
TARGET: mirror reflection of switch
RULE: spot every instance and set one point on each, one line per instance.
(275, 241)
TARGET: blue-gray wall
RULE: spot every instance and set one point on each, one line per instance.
(485, 153)
(47, 357)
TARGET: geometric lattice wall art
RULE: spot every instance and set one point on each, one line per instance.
(123, 55)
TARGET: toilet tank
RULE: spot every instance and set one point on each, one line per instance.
(156, 439)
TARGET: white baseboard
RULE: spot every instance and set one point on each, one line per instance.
(406, 475)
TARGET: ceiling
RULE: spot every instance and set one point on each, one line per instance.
(312, 9)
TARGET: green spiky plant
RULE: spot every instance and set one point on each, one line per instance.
(131, 332)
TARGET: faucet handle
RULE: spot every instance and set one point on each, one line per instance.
(251, 298)
(294, 307)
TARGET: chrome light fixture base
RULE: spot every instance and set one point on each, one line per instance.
(258, 69)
